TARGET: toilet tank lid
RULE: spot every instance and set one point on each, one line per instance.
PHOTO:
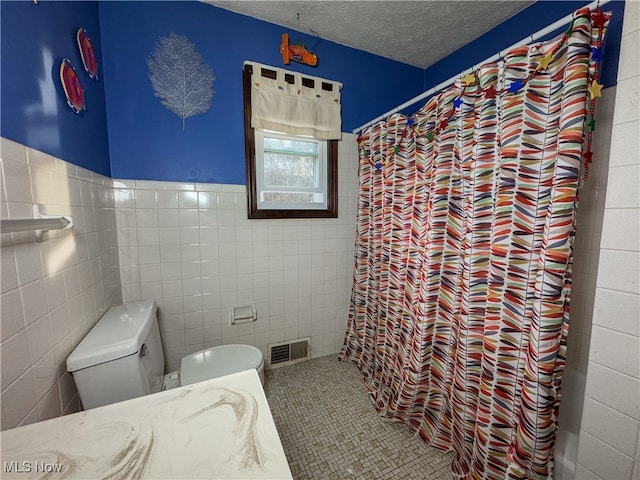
(119, 333)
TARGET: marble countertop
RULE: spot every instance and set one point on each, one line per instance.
(221, 428)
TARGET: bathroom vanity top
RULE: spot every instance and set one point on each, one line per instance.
(221, 428)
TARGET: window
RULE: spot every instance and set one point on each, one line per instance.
(291, 171)
(288, 175)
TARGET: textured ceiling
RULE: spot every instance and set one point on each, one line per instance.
(416, 32)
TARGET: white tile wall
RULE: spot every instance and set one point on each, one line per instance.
(187, 245)
(52, 292)
(609, 445)
(192, 249)
(602, 460)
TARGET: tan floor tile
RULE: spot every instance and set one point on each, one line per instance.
(330, 430)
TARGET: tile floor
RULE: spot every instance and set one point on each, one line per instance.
(330, 430)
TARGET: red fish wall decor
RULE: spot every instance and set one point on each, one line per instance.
(87, 53)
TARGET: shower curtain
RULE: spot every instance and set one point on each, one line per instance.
(462, 277)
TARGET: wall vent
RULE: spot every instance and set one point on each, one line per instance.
(286, 353)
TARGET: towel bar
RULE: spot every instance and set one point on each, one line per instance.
(39, 221)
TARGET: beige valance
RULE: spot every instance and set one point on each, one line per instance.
(293, 103)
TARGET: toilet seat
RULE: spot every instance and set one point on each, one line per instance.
(219, 361)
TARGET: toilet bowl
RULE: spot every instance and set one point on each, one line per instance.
(219, 361)
(122, 358)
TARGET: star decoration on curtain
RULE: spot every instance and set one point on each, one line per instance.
(410, 122)
(595, 90)
(469, 79)
(596, 54)
(457, 102)
(598, 18)
(592, 124)
(490, 92)
(516, 85)
(546, 60)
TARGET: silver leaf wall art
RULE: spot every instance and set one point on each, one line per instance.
(179, 77)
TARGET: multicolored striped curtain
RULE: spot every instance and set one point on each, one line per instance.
(462, 279)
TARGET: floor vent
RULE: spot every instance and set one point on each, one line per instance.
(286, 353)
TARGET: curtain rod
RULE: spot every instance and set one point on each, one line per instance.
(531, 38)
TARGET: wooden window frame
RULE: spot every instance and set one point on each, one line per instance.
(250, 157)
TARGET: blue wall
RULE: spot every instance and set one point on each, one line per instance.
(146, 140)
(530, 20)
(35, 39)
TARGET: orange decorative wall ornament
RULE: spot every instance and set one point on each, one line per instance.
(296, 52)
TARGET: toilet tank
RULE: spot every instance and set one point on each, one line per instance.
(121, 357)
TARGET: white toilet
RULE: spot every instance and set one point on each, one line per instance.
(121, 358)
